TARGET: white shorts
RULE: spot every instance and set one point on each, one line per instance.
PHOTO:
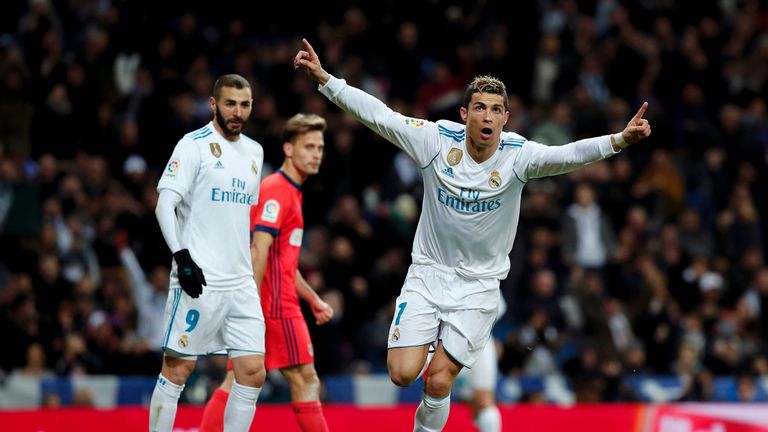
(437, 304)
(485, 373)
(215, 321)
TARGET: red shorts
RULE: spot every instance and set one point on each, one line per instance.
(287, 343)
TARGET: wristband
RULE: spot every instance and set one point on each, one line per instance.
(619, 139)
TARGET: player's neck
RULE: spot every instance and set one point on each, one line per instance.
(290, 170)
(478, 153)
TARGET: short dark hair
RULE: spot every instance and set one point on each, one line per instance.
(485, 84)
(231, 80)
(302, 123)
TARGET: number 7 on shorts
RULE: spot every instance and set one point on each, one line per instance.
(401, 306)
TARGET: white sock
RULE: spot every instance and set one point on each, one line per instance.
(432, 413)
(162, 406)
(489, 420)
(241, 406)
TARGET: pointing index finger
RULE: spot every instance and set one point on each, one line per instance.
(309, 48)
(640, 112)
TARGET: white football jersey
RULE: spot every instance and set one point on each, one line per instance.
(470, 210)
(218, 181)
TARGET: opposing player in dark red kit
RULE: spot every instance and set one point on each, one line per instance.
(277, 224)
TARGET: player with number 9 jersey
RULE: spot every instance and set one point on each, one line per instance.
(205, 191)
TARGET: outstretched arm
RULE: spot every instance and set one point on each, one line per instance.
(537, 160)
(322, 311)
(411, 135)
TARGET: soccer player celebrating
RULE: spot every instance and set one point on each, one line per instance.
(278, 225)
(474, 174)
(206, 190)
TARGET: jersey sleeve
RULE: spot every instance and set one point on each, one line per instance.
(418, 138)
(538, 160)
(180, 172)
(268, 215)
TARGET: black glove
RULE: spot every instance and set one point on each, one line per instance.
(190, 276)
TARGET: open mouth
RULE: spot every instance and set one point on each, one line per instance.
(486, 133)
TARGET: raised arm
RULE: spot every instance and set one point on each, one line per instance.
(142, 292)
(416, 137)
(537, 160)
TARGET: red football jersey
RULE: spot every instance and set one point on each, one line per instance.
(279, 213)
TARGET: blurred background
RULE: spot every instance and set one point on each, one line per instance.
(640, 278)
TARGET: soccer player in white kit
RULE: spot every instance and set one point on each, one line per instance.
(203, 210)
(473, 174)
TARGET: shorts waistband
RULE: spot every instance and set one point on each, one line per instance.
(218, 288)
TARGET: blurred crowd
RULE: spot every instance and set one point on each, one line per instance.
(652, 262)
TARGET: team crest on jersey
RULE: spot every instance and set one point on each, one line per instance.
(184, 341)
(271, 211)
(255, 167)
(414, 122)
(495, 181)
(454, 156)
(396, 334)
(172, 168)
(215, 149)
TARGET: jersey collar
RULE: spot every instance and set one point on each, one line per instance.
(290, 180)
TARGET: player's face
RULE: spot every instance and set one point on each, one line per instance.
(485, 118)
(306, 152)
(232, 110)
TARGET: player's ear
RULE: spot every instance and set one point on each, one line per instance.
(288, 149)
(463, 112)
(506, 117)
(212, 104)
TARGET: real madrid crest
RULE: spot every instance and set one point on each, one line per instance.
(495, 181)
(215, 149)
(254, 167)
(454, 156)
(184, 341)
(396, 334)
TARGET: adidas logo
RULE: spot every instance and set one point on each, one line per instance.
(219, 165)
(448, 171)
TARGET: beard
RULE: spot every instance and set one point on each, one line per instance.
(228, 131)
